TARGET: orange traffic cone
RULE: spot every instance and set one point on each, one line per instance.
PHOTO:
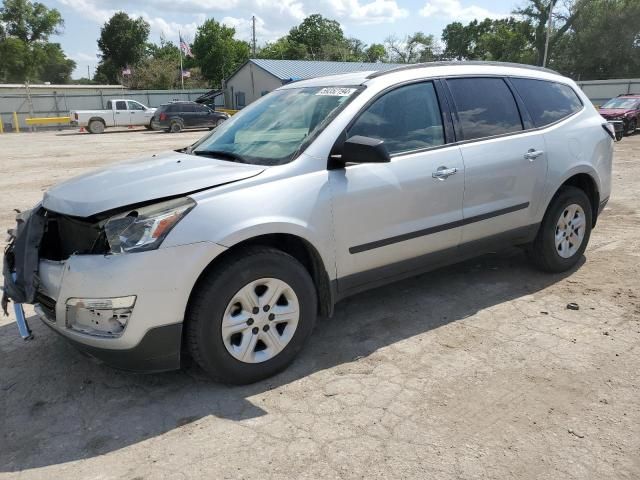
(82, 130)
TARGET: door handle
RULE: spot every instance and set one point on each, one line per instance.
(532, 154)
(442, 173)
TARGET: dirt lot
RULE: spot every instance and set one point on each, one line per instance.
(475, 371)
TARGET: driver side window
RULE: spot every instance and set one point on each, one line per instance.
(407, 118)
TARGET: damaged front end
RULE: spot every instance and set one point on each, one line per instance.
(42, 234)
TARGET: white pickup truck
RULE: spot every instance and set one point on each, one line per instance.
(119, 113)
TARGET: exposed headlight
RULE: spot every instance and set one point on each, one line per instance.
(145, 228)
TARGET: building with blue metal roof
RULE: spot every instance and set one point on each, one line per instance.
(257, 77)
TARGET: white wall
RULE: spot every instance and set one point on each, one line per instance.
(252, 81)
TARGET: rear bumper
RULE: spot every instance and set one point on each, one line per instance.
(157, 351)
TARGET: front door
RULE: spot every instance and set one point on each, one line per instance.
(137, 113)
(387, 214)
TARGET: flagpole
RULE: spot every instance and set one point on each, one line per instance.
(180, 50)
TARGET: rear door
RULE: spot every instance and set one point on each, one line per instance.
(121, 113)
(505, 160)
(189, 114)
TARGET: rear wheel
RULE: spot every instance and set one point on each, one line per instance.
(175, 127)
(96, 126)
(564, 232)
(250, 317)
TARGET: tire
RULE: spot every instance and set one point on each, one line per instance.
(545, 251)
(96, 126)
(148, 127)
(212, 305)
(175, 127)
(633, 125)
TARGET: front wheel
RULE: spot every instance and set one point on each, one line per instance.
(564, 232)
(249, 318)
(633, 124)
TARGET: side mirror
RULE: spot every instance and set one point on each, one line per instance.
(359, 149)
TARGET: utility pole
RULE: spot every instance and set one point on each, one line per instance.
(253, 34)
(180, 50)
(88, 74)
(546, 43)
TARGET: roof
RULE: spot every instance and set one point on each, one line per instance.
(287, 70)
(59, 86)
(466, 63)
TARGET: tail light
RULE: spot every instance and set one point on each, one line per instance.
(163, 116)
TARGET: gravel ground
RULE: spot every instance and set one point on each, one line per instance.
(474, 371)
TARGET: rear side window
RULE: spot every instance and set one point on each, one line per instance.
(485, 107)
(547, 102)
(407, 118)
(121, 105)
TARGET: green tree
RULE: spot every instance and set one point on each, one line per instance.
(604, 41)
(25, 53)
(323, 38)
(413, 48)
(502, 40)
(537, 14)
(166, 49)
(217, 53)
(283, 49)
(122, 43)
(376, 53)
(55, 67)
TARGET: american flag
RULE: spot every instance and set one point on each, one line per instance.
(126, 71)
(186, 74)
(184, 46)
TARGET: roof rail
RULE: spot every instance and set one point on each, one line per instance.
(457, 64)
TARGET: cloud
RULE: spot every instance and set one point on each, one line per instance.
(377, 11)
(453, 9)
(275, 17)
(84, 57)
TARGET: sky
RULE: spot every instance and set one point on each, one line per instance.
(369, 20)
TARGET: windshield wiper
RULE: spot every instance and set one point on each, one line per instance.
(220, 153)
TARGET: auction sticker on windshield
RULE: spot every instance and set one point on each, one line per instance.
(336, 91)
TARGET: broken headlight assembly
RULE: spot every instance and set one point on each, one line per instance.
(145, 228)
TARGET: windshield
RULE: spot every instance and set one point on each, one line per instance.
(626, 103)
(272, 130)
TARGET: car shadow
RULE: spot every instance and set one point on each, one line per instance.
(59, 406)
(109, 131)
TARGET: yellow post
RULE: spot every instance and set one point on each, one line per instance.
(1, 126)
(16, 125)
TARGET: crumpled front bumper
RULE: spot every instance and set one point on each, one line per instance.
(161, 280)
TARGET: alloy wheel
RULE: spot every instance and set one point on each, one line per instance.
(570, 230)
(260, 320)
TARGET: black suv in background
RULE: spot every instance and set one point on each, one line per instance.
(173, 117)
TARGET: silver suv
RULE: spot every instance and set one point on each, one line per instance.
(229, 249)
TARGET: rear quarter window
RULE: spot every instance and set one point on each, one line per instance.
(485, 107)
(547, 102)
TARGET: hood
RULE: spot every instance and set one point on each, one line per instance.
(613, 112)
(150, 178)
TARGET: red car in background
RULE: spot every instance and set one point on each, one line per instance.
(624, 108)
